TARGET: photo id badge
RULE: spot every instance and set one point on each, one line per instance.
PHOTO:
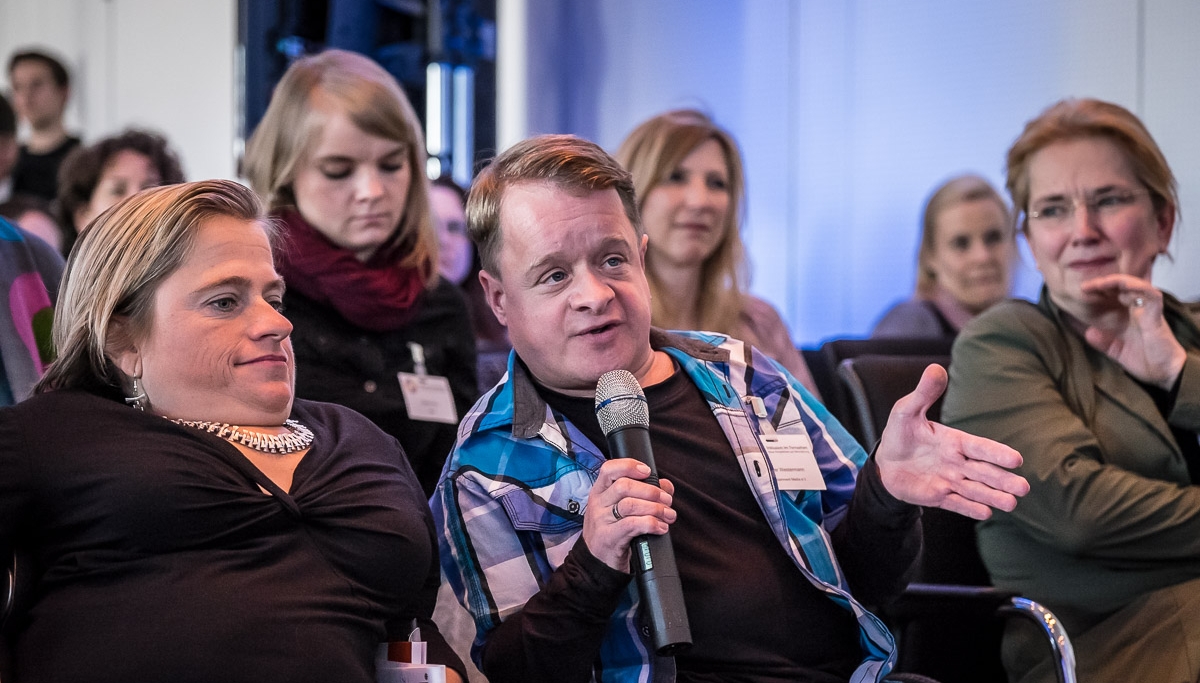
(792, 459)
(428, 398)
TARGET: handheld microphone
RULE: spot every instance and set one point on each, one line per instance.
(625, 418)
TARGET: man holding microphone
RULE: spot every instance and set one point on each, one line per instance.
(782, 526)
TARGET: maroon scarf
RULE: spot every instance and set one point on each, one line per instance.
(379, 295)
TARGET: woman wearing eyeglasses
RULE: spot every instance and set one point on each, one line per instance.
(1098, 387)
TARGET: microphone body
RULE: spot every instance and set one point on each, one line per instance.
(653, 556)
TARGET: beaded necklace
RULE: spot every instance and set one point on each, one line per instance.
(298, 437)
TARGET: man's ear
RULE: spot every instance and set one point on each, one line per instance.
(493, 293)
(642, 250)
(121, 349)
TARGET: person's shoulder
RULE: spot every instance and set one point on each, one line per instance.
(14, 239)
(445, 292)
(1191, 308)
(911, 318)
(705, 346)
(65, 147)
(1014, 324)
(1009, 315)
(762, 319)
(60, 405)
(758, 309)
(445, 304)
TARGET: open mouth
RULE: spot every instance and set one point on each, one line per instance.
(601, 329)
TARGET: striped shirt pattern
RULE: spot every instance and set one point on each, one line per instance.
(511, 500)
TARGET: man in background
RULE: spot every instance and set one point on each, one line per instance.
(40, 89)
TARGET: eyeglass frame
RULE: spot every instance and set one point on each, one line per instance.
(1127, 195)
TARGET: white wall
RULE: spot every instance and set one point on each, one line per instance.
(167, 65)
(850, 112)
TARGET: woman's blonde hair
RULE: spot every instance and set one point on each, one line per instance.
(651, 153)
(113, 273)
(1075, 119)
(377, 105)
(958, 190)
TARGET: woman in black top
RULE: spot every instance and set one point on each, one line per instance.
(158, 542)
(340, 158)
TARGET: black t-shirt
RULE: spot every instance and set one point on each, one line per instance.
(754, 617)
(162, 559)
(37, 174)
(339, 362)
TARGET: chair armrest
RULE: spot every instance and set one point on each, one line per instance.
(1060, 644)
(931, 601)
(8, 595)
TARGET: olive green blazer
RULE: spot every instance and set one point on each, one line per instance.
(1111, 513)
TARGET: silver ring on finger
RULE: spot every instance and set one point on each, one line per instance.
(617, 513)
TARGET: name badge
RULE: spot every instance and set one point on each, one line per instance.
(428, 398)
(792, 459)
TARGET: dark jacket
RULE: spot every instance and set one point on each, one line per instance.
(341, 363)
(1112, 513)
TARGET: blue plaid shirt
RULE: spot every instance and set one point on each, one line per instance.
(520, 467)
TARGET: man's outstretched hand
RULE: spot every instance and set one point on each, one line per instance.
(929, 464)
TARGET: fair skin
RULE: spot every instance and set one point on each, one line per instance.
(972, 253)
(217, 348)
(38, 223)
(1097, 260)
(572, 290)
(38, 99)
(685, 218)
(454, 247)
(126, 173)
(353, 186)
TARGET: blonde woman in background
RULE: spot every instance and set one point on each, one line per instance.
(340, 158)
(687, 173)
(964, 266)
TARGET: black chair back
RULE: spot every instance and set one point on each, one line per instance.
(823, 363)
(874, 383)
(952, 637)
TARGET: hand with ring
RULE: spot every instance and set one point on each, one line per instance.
(1135, 334)
(622, 507)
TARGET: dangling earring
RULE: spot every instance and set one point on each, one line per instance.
(138, 400)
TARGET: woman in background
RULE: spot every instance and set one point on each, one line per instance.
(964, 265)
(1098, 387)
(340, 159)
(95, 177)
(687, 173)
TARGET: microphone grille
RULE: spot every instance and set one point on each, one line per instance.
(620, 401)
